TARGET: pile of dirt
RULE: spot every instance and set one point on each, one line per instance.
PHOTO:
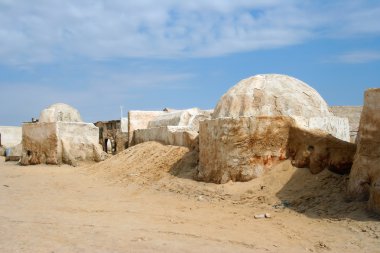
(142, 164)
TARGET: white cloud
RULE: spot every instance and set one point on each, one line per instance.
(359, 57)
(43, 31)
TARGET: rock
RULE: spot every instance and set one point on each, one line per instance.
(259, 216)
(364, 182)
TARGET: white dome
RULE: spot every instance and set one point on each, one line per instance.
(271, 95)
(60, 112)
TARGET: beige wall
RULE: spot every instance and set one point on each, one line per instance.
(10, 135)
(60, 142)
(140, 120)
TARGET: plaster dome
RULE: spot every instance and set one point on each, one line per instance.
(271, 95)
(60, 112)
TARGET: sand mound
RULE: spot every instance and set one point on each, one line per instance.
(143, 163)
(153, 166)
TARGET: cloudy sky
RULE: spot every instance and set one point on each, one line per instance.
(99, 55)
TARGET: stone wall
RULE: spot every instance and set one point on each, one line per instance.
(364, 182)
(10, 136)
(353, 114)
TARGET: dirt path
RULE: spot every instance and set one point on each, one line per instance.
(66, 209)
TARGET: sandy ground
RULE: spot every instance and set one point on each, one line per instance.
(141, 201)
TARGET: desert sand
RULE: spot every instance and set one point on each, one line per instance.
(145, 200)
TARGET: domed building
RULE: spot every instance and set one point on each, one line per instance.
(59, 137)
(250, 127)
(271, 95)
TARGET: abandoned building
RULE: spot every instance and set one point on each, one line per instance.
(60, 136)
(113, 135)
(251, 124)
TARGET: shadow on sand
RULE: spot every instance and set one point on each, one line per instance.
(322, 196)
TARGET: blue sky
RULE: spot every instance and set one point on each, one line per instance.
(99, 55)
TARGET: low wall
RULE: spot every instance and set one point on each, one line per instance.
(168, 135)
(184, 118)
(140, 120)
(10, 135)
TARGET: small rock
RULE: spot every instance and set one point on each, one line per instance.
(267, 215)
(259, 216)
(200, 198)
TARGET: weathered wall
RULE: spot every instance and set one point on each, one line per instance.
(40, 144)
(60, 142)
(336, 126)
(189, 118)
(353, 114)
(78, 142)
(241, 149)
(364, 179)
(10, 135)
(111, 131)
(168, 135)
(140, 120)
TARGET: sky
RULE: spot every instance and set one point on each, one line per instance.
(100, 55)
